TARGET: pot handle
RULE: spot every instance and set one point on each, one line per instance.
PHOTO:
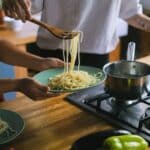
(131, 51)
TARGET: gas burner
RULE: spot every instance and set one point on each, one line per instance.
(133, 115)
(123, 103)
(147, 112)
(146, 118)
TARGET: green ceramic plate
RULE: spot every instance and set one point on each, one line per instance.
(16, 125)
(43, 76)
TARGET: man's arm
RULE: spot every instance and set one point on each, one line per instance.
(132, 12)
(8, 85)
(11, 54)
(27, 86)
(140, 21)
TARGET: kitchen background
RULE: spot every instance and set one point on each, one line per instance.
(22, 34)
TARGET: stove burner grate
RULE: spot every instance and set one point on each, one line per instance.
(131, 115)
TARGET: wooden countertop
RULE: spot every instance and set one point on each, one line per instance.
(53, 124)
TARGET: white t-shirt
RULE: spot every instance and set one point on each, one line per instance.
(97, 19)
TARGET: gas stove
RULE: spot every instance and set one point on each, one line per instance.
(130, 115)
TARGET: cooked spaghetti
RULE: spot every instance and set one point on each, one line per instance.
(3, 126)
(72, 79)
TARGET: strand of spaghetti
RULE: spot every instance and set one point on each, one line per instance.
(67, 55)
(80, 41)
(81, 36)
(64, 58)
(73, 51)
(78, 56)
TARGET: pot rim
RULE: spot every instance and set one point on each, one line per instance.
(123, 77)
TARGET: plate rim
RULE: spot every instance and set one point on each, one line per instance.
(17, 134)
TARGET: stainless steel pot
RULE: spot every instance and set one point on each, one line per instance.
(126, 80)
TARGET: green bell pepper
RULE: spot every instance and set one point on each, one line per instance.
(125, 142)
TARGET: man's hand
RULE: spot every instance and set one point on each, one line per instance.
(140, 21)
(18, 9)
(34, 90)
(47, 63)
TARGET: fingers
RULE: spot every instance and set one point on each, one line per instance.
(57, 62)
(6, 9)
(18, 9)
(25, 6)
(44, 95)
(60, 63)
(50, 63)
(18, 12)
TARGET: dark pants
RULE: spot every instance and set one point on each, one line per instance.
(85, 59)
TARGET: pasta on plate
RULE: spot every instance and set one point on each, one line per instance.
(72, 80)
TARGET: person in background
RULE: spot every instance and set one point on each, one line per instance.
(10, 54)
(97, 19)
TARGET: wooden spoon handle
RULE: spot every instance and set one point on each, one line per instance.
(40, 23)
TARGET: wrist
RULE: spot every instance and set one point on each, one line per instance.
(41, 65)
(9, 85)
(17, 84)
(36, 63)
(21, 84)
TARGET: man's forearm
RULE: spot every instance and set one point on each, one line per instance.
(11, 54)
(8, 85)
(140, 21)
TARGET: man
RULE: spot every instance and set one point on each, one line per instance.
(97, 19)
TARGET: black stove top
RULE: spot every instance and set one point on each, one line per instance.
(131, 115)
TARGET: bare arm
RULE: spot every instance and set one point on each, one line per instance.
(140, 21)
(7, 85)
(27, 86)
(11, 54)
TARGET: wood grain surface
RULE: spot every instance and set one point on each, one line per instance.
(51, 124)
